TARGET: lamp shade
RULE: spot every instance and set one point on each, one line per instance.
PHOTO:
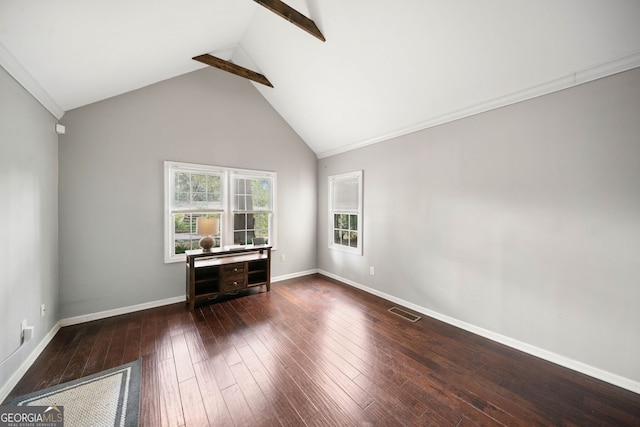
(207, 226)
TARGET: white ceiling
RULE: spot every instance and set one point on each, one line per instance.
(386, 69)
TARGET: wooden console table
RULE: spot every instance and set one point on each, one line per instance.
(221, 271)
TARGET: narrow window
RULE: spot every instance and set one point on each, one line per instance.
(252, 208)
(345, 212)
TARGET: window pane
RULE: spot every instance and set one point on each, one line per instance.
(251, 220)
(198, 183)
(181, 224)
(239, 221)
(345, 194)
(240, 229)
(239, 238)
(345, 230)
(239, 186)
(183, 237)
(260, 190)
(197, 191)
(183, 182)
(250, 225)
(184, 231)
(182, 190)
(240, 203)
(353, 222)
(253, 194)
(185, 245)
(183, 199)
(214, 190)
(261, 224)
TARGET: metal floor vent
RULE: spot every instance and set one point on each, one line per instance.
(400, 312)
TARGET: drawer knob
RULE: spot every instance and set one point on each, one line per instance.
(235, 283)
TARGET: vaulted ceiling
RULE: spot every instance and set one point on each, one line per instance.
(386, 68)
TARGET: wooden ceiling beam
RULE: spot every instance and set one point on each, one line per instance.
(293, 16)
(232, 68)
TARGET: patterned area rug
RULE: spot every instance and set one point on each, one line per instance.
(108, 398)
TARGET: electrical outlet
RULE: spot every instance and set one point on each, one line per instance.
(26, 332)
(43, 310)
(283, 257)
(372, 271)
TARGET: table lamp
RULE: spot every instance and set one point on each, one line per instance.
(206, 227)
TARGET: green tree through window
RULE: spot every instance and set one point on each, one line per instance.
(243, 201)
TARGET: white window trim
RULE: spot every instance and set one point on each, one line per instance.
(246, 173)
(332, 179)
(226, 212)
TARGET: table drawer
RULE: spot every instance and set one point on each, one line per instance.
(233, 269)
(232, 277)
(233, 285)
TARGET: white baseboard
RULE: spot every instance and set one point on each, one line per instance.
(144, 306)
(118, 311)
(574, 365)
(294, 275)
(24, 367)
(600, 374)
(11, 383)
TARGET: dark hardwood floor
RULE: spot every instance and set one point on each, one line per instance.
(318, 353)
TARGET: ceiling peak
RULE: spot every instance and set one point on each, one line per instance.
(290, 14)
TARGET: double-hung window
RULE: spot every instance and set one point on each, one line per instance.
(345, 212)
(252, 207)
(243, 202)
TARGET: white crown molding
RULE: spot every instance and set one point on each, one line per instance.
(22, 76)
(574, 365)
(589, 74)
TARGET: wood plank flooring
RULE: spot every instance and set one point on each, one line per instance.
(316, 352)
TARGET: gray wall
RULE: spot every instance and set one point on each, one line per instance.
(523, 221)
(111, 184)
(28, 222)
